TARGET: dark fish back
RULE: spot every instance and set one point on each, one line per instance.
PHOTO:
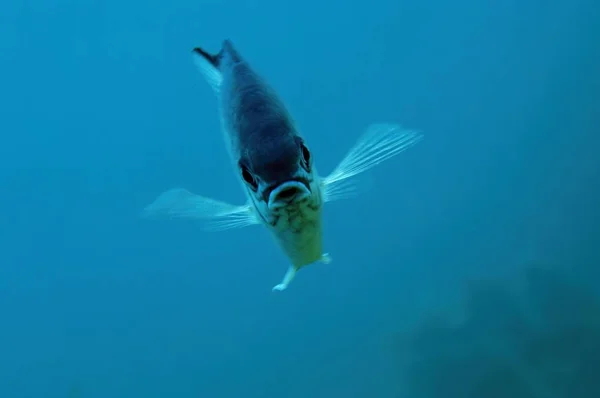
(254, 113)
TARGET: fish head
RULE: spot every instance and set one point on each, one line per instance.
(278, 173)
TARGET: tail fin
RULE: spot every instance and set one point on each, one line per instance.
(208, 65)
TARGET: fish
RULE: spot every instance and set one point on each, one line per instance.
(274, 165)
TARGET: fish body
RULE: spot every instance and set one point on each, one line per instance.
(274, 164)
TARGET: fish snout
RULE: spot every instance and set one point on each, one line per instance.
(286, 193)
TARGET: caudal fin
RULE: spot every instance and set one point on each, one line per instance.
(208, 65)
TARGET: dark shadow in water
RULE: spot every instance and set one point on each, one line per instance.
(536, 335)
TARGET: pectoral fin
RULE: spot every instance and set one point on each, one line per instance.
(181, 203)
(380, 142)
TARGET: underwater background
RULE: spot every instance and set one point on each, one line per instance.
(102, 109)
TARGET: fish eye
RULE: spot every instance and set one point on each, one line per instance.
(306, 156)
(249, 178)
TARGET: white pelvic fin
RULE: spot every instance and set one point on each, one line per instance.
(326, 258)
(181, 203)
(378, 143)
(287, 278)
(207, 65)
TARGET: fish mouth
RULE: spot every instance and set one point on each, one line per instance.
(288, 192)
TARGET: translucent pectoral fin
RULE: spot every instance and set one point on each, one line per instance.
(379, 143)
(181, 203)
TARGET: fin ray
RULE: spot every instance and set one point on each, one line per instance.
(379, 143)
(218, 216)
(342, 189)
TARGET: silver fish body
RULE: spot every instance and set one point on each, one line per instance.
(266, 148)
(274, 165)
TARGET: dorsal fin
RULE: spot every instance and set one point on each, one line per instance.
(208, 65)
(213, 59)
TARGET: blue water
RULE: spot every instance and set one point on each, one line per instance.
(101, 109)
